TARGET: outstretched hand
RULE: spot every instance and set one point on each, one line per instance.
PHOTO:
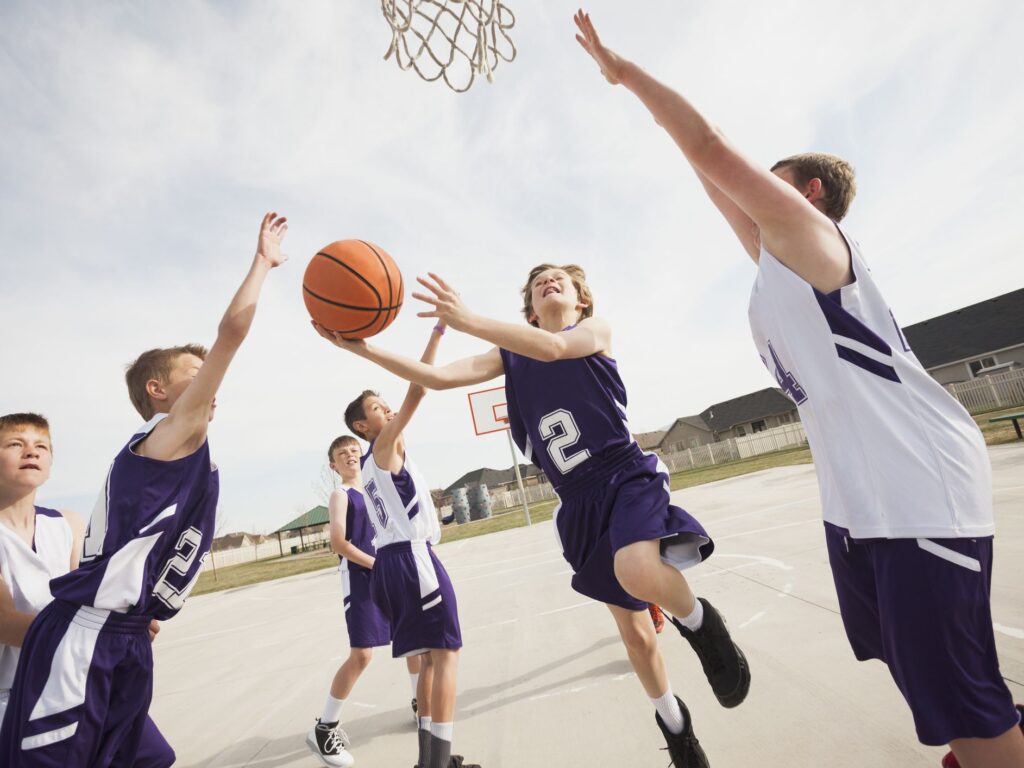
(611, 64)
(448, 306)
(356, 346)
(272, 231)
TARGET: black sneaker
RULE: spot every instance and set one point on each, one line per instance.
(683, 748)
(415, 710)
(328, 742)
(724, 663)
(458, 761)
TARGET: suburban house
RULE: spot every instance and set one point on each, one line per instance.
(495, 480)
(236, 540)
(984, 338)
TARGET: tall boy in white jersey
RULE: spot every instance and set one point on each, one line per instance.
(368, 628)
(626, 542)
(38, 544)
(84, 679)
(903, 471)
(408, 581)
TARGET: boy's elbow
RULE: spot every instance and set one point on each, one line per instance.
(554, 350)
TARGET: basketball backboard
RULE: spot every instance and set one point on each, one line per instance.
(489, 410)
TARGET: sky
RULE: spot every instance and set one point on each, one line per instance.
(143, 141)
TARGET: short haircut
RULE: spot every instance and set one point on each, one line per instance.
(155, 364)
(340, 442)
(355, 411)
(837, 179)
(14, 420)
(579, 279)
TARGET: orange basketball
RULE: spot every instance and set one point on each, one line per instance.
(353, 287)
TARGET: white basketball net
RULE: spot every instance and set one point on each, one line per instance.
(451, 39)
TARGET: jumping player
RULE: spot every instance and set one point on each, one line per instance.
(903, 471)
(352, 541)
(625, 541)
(408, 581)
(38, 544)
(84, 679)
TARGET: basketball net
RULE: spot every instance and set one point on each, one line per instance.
(451, 39)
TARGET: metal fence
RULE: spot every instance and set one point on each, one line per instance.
(988, 393)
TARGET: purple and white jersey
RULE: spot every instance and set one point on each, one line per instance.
(398, 505)
(358, 529)
(564, 412)
(150, 531)
(896, 455)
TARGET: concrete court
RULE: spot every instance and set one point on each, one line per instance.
(240, 676)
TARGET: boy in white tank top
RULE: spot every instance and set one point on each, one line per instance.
(903, 471)
(38, 544)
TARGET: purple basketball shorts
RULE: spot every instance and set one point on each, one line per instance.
(81, 692)
(367, 626)
(922, 607)
(413, 590)
(612, 501)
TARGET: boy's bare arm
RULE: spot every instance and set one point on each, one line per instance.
(590, 336)
(337, 509)
(13, 623)
(790, 227)
(184, 430)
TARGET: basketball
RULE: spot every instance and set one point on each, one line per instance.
(353, 287)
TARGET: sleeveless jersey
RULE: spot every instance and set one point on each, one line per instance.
(358, 528)
(565, 412)
(398, 505)
(896, 456)
(150, 531)
(28, 570)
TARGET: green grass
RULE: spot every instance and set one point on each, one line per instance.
(279, 567)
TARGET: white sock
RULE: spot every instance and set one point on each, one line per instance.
(424, 723)
(694, 621)
(332, 710)
(670, 712)
(442, 730)
(414, 681)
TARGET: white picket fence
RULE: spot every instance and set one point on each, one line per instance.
(248, 554)
(988, 393)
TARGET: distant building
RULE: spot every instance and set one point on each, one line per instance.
(986, 337)
(495, 480)
(236, 540)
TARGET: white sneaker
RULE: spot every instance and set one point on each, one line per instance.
(328, 742)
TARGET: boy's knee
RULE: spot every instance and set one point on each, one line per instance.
(361, 657)
(638, 642)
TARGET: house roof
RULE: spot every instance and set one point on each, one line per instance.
(647, 440)
(493, 477)
(315, 516)
(745, 408)
(972, 331)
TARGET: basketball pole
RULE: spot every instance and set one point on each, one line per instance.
(519, 477)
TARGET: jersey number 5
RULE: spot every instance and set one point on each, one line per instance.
(559, 427)
(378, 503)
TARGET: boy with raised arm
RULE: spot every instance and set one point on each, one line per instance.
(904, 475)
(407, 580)
(85, 676)
(626, 542)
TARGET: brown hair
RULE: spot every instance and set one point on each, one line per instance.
(340, 442)
(15, 420)
(355, 411)
(579, 280)
(155, 364)
(836, 175)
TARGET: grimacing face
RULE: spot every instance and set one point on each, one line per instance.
(553, 286)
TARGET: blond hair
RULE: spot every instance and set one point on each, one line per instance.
(155, 364)
(579, 280)
(836, 175)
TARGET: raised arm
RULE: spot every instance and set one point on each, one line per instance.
(337, 509)
(184, 430)
(791, 228)
(590, 336)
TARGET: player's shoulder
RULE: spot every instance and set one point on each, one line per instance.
(73, 519)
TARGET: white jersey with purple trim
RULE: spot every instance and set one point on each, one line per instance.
(896, 455)
(27, 572)
(398, 505)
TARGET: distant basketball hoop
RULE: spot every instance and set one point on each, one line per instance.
(451, 39)
(489, 411)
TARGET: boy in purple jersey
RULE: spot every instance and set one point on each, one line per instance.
(37, 544)
(352, 541)
(625, 541)
(84, 679)
(904, 474)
